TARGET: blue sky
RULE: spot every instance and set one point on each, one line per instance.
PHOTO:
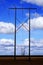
(7, 20)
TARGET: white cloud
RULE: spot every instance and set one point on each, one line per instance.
(6, 27)
(34, 15)
(35, 23)
(10, 48)
(37, 2)
(33, 42)
(26, 42)
(5, 45)
(6, 41)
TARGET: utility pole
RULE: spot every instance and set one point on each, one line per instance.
(29, 9)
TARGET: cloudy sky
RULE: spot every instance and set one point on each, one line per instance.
(7, 25)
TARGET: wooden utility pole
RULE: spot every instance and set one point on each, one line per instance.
(29, 9)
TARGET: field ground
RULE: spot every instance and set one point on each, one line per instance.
(21, 61)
